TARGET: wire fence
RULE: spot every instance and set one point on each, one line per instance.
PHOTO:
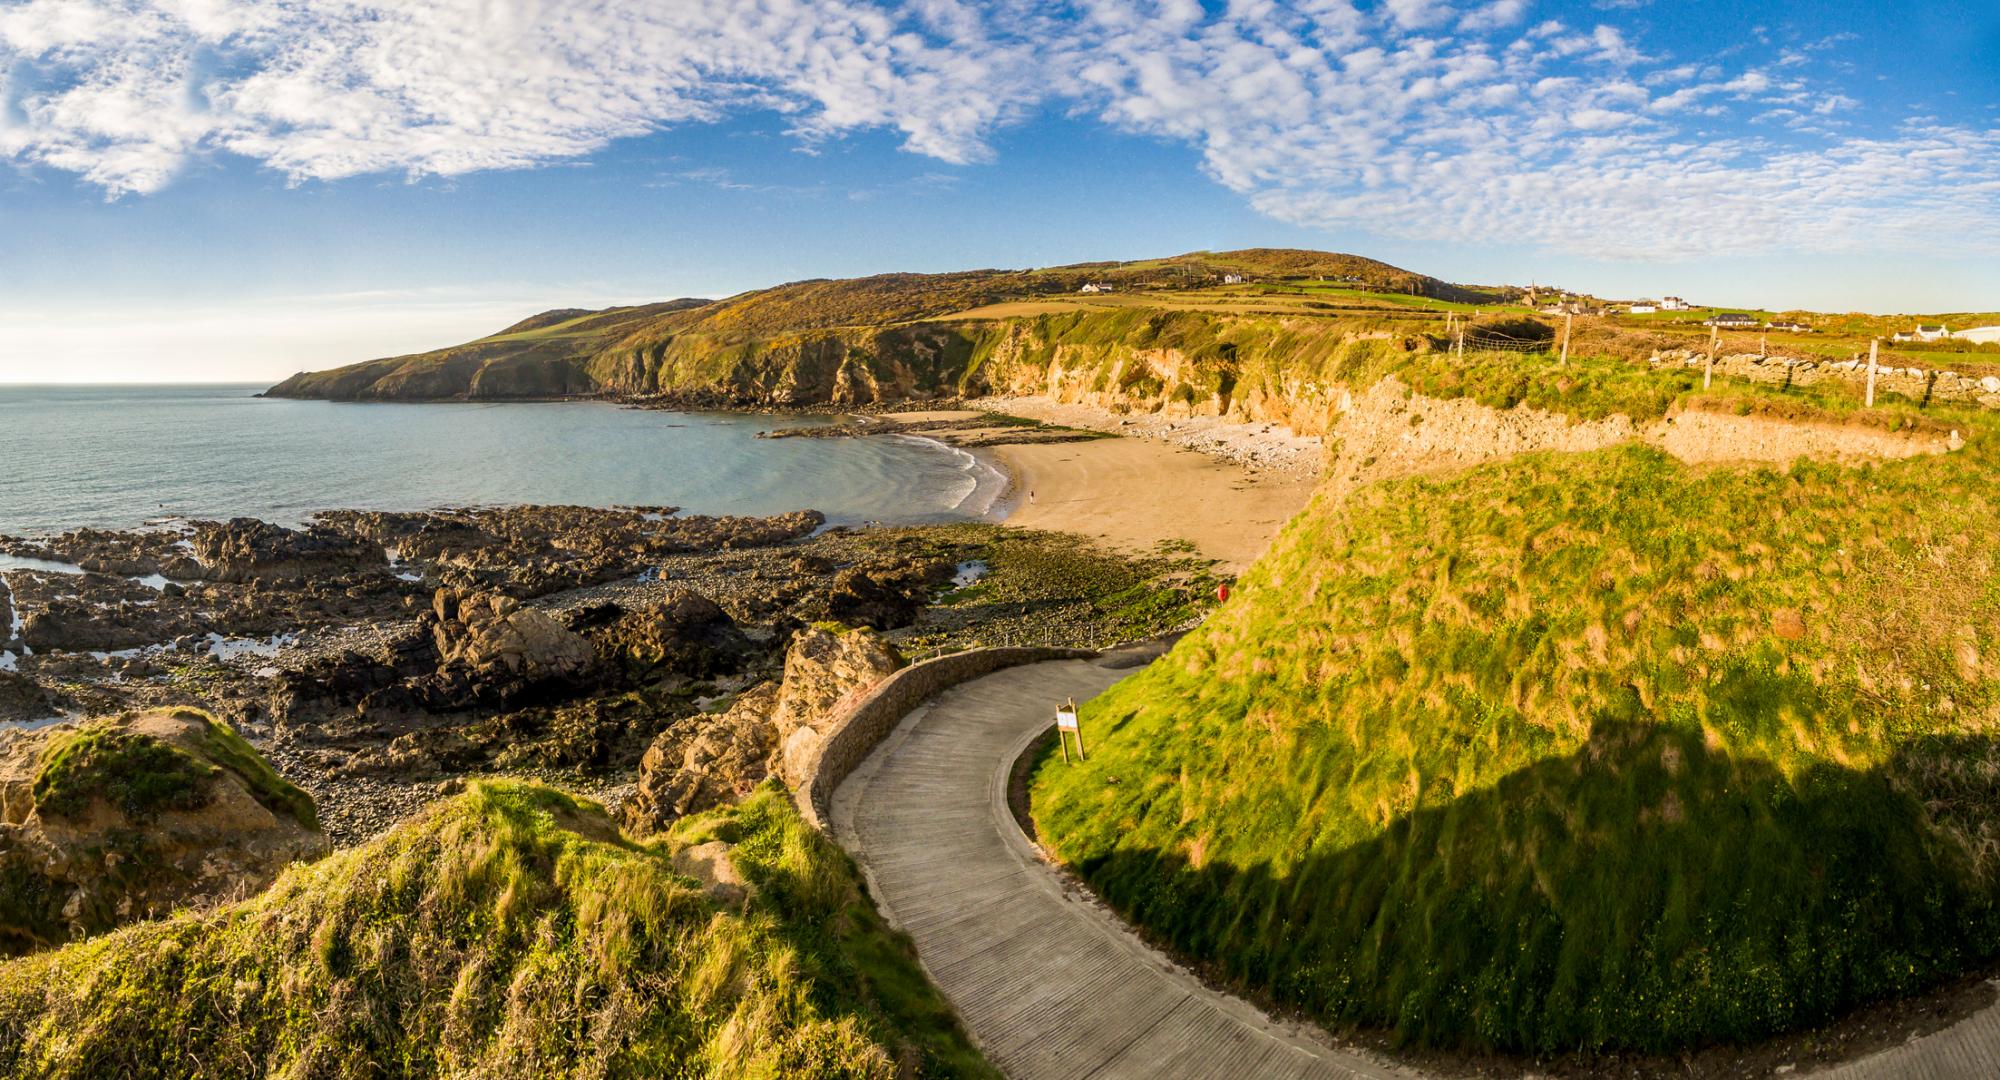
(1478, 340)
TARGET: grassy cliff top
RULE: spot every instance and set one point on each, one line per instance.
(509, 932)
(568, 352)
(1574, 751)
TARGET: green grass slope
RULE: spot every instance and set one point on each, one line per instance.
(509, 932)
(1585, 751)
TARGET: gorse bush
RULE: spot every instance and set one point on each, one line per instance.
(1576, 751)
(509, 932)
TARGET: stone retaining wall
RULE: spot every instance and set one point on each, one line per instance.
(851, 738)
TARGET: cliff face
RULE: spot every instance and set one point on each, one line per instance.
(869, 339)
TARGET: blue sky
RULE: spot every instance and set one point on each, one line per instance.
(205, 189)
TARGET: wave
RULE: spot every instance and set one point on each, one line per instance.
(982, 482)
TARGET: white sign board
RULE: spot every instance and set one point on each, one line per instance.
(1066, 719)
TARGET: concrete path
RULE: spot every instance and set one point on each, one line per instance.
(1967, 1050)
(1048, 982)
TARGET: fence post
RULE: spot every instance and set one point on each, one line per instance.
(1568, 321)
(1874, 351)
(1714, 340)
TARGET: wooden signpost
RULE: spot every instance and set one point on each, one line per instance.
(1066, 723)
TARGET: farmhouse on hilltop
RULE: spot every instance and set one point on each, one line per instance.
(1674, 303)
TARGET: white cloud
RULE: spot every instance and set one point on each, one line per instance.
(1404, 117)
(1416, 14)
(1493, 16)
(344, 87)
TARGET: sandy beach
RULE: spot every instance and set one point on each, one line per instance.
(1225, 488)
(1131, 494)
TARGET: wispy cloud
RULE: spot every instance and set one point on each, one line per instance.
(1421, 118)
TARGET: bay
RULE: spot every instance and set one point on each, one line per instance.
(121, 456)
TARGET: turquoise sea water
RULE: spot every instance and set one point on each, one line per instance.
(117, 457)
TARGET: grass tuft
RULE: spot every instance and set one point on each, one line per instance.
(508, 932)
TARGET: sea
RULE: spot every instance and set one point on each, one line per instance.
(121, 457)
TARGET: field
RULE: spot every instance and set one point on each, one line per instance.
(1593, 751)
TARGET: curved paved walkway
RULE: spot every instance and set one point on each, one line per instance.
(1052, 985)
(1048, 983)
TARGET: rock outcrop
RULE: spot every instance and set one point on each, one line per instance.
(245, 549)
(492, 650)
(686, 633)
(108, 821)
(492, 634)
(824, 671)
(23, 699)
(528, 551)
(705, 761)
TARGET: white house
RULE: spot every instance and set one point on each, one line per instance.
(1674, 303)
(1928, 332)
(1789, 327)
(1232, 279)
(1979, 335)
(1643, 309)
(1094, 287)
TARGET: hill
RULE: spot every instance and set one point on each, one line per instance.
(510, 931)
(804, 343)
(1589, 750)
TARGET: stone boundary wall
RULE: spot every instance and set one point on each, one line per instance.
(851, 738)
(1921, 385)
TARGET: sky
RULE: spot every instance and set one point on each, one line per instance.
(196, 190)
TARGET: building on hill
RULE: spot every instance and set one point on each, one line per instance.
(1643, 307)
(1232, 279)
(1095, 287)
(1979, 335)
(1674, 303)
(1731, 320)
(1789, 327)
(1929, 332)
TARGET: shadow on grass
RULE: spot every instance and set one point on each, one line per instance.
(1647, 893)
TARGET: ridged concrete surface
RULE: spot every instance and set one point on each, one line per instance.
(1049, 984)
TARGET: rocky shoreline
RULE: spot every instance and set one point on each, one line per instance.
(379, 659)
